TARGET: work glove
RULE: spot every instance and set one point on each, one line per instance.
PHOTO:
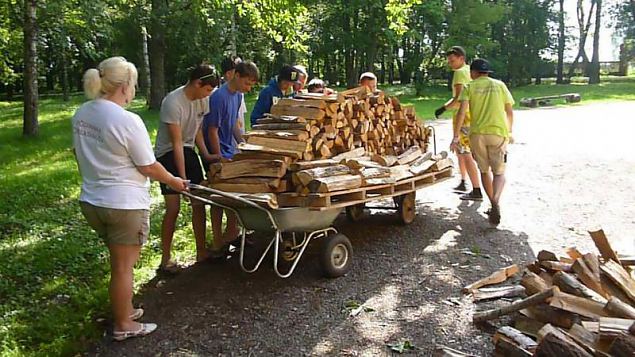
(438, 112)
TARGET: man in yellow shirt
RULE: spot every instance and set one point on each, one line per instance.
(490, 106)
(467, 166)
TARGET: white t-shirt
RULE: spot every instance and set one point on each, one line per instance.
(176, 108)
(241, 114)
(110, 142)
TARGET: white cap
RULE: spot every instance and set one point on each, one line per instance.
(370, 75)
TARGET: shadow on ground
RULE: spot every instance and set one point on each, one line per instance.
(408, 277)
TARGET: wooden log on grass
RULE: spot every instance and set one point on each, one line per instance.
(516, 306)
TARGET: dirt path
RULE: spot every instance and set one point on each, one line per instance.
(571, 168)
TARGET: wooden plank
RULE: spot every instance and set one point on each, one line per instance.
(312, 103)
(279, 144)
(496, 277)
(585, 307)
(612, 326)
(603, 245)
(282, 126)
(588, 277)
(271, 119)
(335, 183)
(254, 155)
(305, 112)
(620, 277)
(244, 147)
(255, 168)
(495, 293)
(516, 306)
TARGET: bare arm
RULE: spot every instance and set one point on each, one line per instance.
(510, 116)
(454, 103)
(214, 140)
(177, 146)
(460, 119)
(157, 172)
(238, 133)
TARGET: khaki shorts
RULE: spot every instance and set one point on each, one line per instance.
(489, 151)
(118, 226)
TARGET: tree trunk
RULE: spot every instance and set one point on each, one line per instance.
(145, 82)
(584, 32)
(623, 60)
(157, 53)
(594, 76)
(30, 123)
(561, 44)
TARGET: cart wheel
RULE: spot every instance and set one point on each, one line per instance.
(287, 254)
(355, 213)
(406, 207)
(336, 255)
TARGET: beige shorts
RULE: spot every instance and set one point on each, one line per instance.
(118, 226)
(489, 152)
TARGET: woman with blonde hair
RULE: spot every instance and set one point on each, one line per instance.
(115, 160)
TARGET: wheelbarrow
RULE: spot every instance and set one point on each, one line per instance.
(293, 229)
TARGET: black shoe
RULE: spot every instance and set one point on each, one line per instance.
(472, 196)
(495, 216)
(462, 187)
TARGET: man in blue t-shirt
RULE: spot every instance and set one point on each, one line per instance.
(279, 87)
(220, 128)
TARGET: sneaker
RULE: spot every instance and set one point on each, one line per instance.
(495, 216)
(461, 187)
(472, 196)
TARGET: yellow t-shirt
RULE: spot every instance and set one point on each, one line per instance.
(487, 98)
(461, 76)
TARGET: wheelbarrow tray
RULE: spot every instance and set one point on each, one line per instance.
(292, 219)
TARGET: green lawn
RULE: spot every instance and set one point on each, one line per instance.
(54, 271)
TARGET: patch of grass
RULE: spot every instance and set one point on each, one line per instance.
(54, 271)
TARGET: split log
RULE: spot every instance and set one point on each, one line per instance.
(305, 165)
(384, 160)
(305, 112)
(445, 351)
(557, 344)
(282, 126)
(369, 173)
(409, 155)
(611, 326)
(519, 344)
(573, 253)
(516, 306)
(271, 119)
(306, 176)
(555, 266)
(312, 103)
(400, 172)
(442, 165)
(550, 315)
(250, 185)
(620, 277)
(588, 277)
(247, 155)
(380, 181)
(358, 152)
(533, 283)
(545, 255)
(618, 308)
(497, 277)
(252, 168)
(244, 147)
(585, 338)
(299, 135)
(623, 346)
(280, 144)
(585, 307)
(335, 183)
(422, 167)
(603, 245)
(495, 293)
(569, 284)
(360, 164)
(527, 325)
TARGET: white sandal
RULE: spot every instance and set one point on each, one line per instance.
(137, 314)
(145, 329)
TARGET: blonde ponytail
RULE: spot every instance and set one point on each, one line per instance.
(111, 74)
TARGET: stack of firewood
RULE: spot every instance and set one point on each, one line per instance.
(579, 305)
(318, 132)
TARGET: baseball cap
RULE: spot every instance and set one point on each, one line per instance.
(480, 65)
(288, 73)
(456, 50)
(370, 75)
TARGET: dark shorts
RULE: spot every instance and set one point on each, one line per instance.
(193, 169)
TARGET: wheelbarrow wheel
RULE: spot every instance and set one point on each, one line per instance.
(336, 255)
(355, 213)
(406, 210)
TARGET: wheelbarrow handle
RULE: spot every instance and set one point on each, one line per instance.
(230, 196)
